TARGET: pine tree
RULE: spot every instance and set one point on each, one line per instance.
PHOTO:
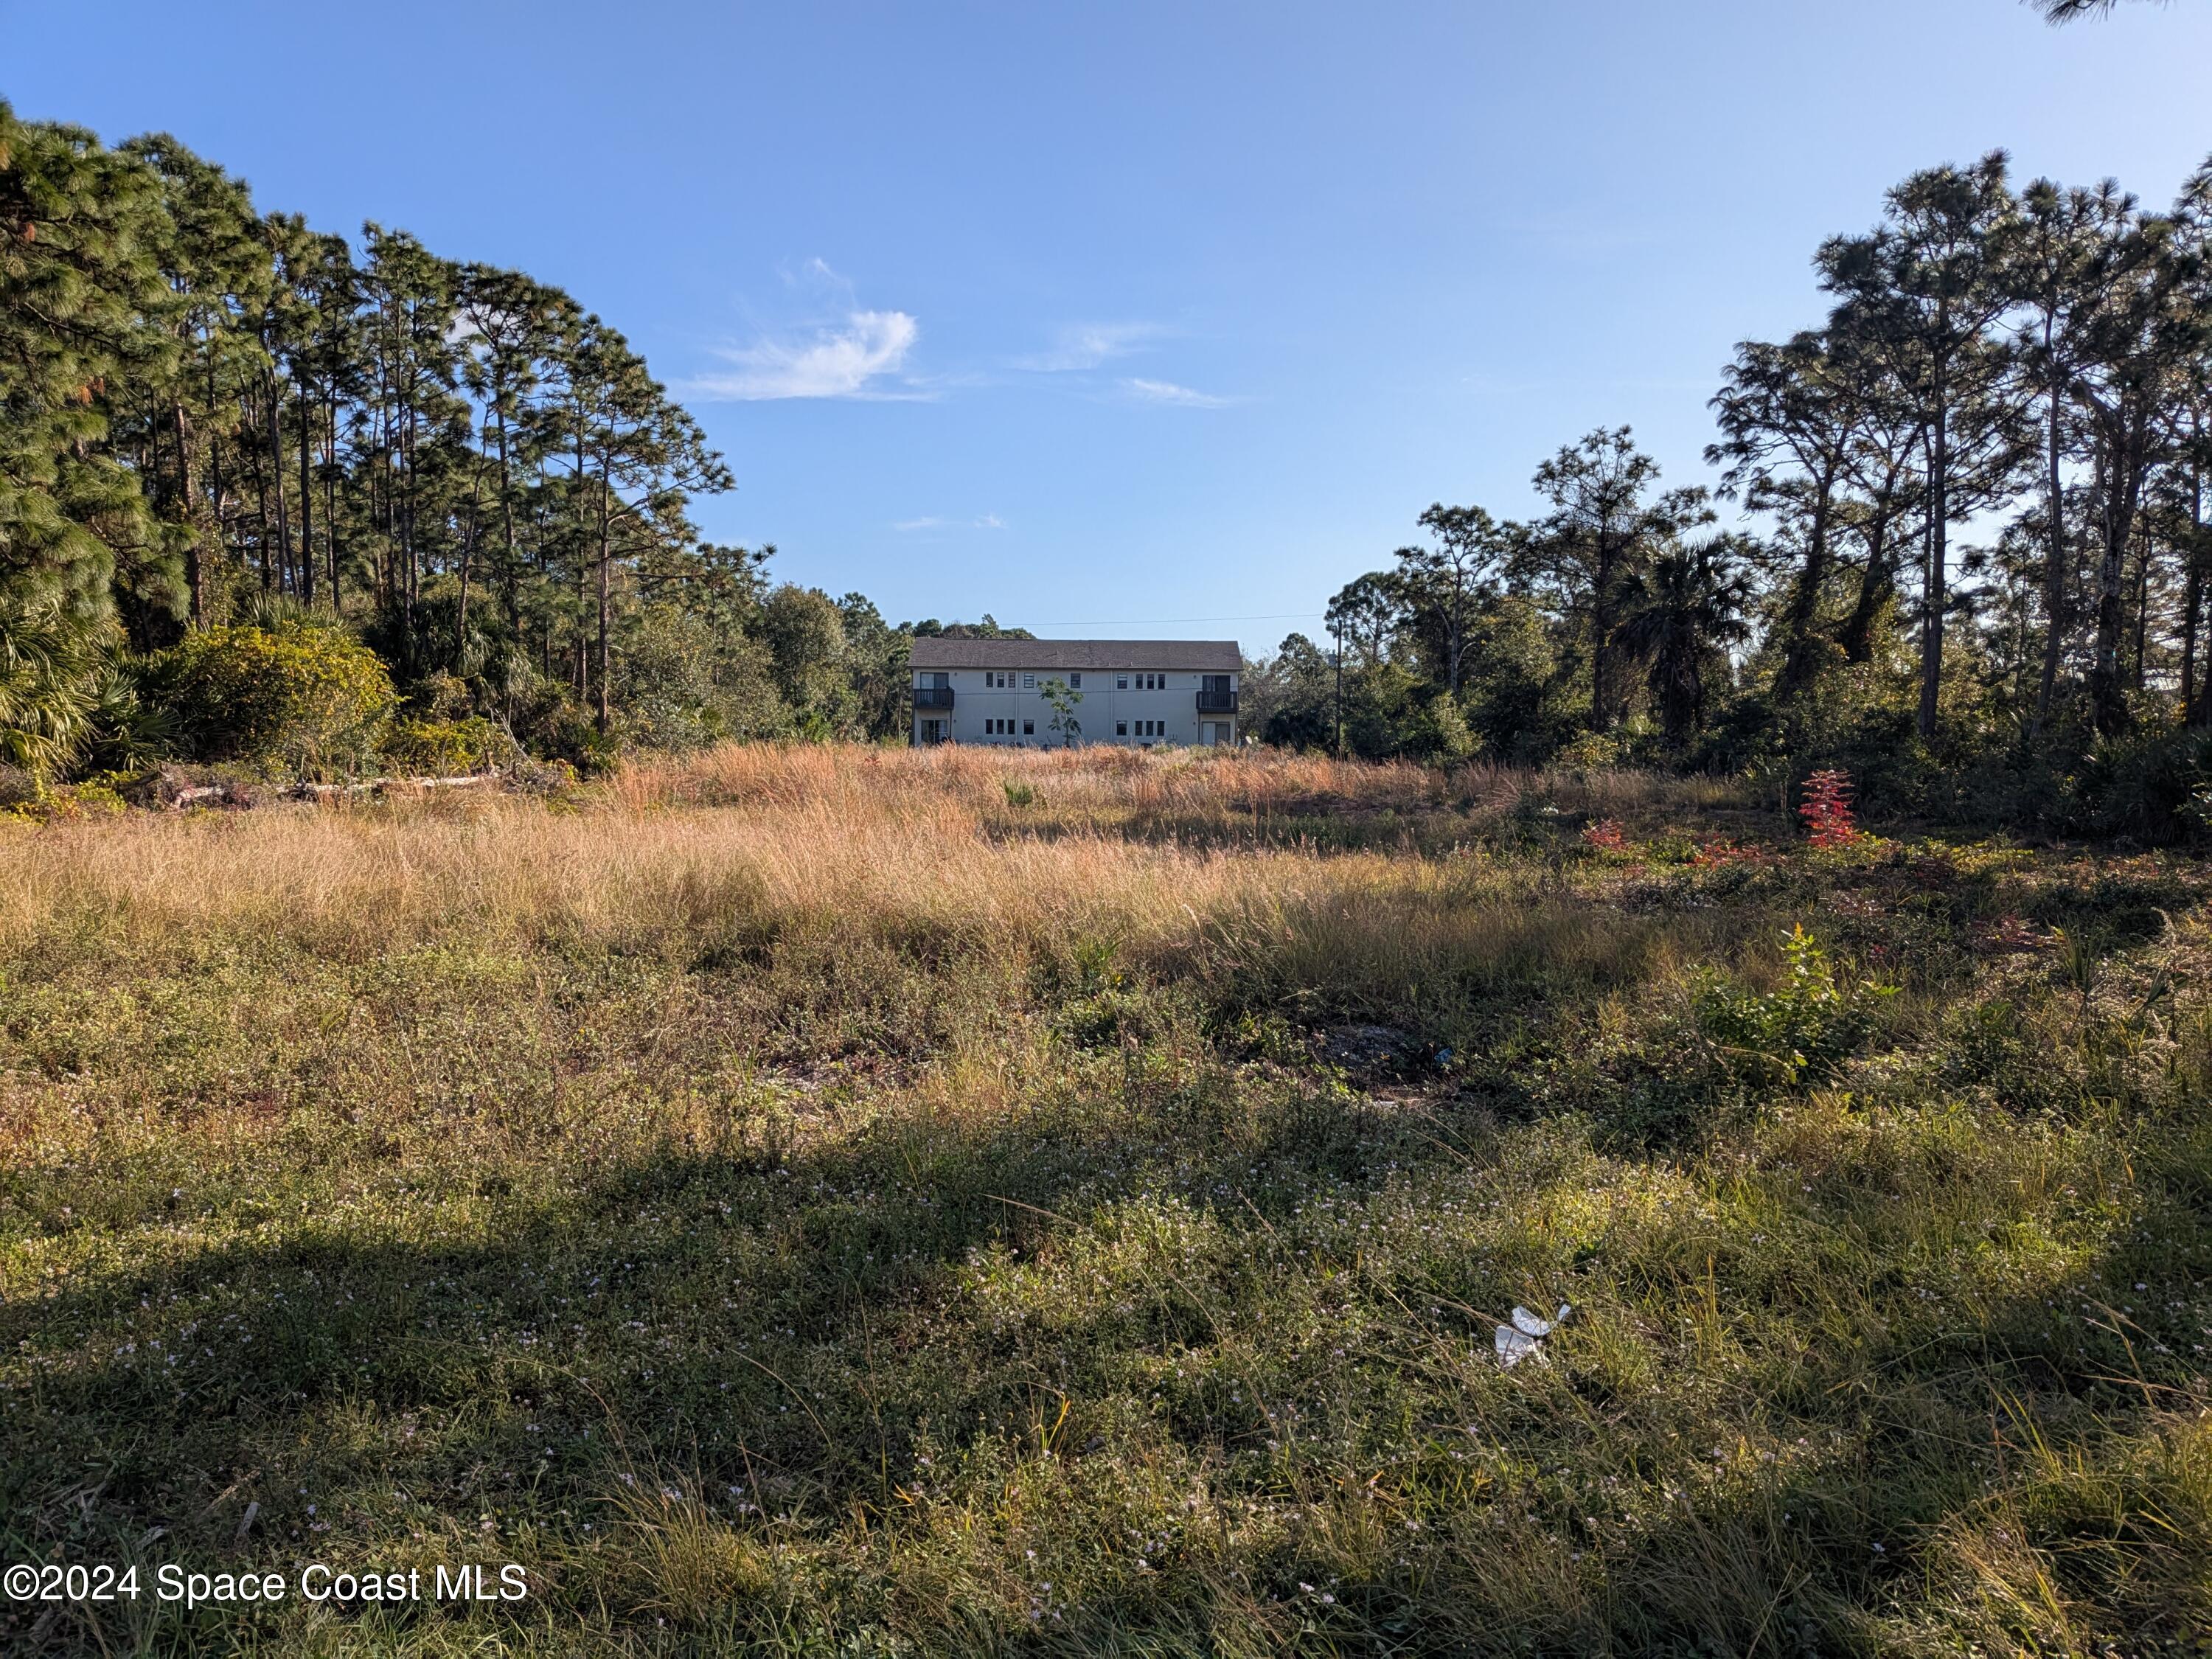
(1789, 417)
(639, 458)
(79, 225)
(1602, 530)
(1922, 290)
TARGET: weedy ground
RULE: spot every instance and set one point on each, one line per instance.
(833, 1202)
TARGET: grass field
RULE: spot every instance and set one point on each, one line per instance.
(847, 1202)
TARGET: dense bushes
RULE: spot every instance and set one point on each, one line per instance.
(445, 747)
(307, 699)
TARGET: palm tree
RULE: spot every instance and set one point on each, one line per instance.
(2065, 11)
(49, 686)
(1680, 616)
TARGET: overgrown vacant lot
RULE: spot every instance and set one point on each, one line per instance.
(846, 1202)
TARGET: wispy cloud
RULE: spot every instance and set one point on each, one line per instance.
(815, 273)
(853, 358)
(1079, 346)
(1174, 396)
(987, 521)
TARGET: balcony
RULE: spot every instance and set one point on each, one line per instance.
(933, 696)
(1217, 702)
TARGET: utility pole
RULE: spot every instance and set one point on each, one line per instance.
(1339, 690)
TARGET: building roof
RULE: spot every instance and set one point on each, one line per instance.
(1203, 656)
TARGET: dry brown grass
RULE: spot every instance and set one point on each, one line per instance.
(831, 1201)
(885, 844)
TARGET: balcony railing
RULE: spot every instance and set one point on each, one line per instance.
(1217, 702)
(933, 696)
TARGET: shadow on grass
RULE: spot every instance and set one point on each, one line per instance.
(793, 1353)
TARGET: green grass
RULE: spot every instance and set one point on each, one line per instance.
(966, 1230)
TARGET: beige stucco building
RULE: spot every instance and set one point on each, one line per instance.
(1140, 693)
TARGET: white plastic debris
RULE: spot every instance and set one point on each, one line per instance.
(1518, 1341)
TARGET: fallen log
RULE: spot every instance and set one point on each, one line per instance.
(306, 791)
(199, 794)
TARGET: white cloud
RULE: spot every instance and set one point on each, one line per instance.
(987, 521)
(1168, 393)
(847, 360)
(1079, 346)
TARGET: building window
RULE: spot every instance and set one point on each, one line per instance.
(1075, 682)
(1029, 728)
(1121, 682)
(1029, 681)
(1120, 728)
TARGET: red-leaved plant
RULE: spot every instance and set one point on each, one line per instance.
(1604, 836)
(1825, 809)
(1718, 852)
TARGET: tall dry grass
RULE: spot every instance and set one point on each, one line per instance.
(906, 845)
(830, 1201)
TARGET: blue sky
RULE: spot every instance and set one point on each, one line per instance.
(1134, 318)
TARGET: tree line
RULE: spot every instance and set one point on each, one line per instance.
(1967, 521)
(1970, 521)
(217, 417)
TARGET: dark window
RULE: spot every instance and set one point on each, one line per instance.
(1029, 728)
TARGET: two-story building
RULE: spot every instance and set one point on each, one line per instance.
(1140, 693)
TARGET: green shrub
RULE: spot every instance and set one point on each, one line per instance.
(127, 733)
(444, 748)
(304, 699)
(1797, 1034)
(2151, 787)
(69, 802)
